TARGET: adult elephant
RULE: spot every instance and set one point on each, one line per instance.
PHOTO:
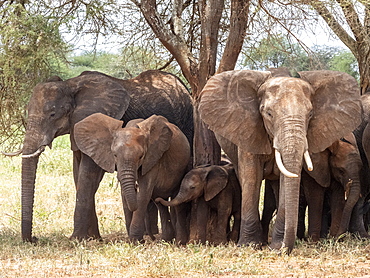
(151, 157)
(258, 119)
(56, 106)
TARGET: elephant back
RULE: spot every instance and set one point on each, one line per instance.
(160, 93)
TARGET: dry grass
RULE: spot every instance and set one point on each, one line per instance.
(56, 256)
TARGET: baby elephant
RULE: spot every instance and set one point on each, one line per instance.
(216, 188)
(150, 156)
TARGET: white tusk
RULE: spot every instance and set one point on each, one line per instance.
(308, 160)
(13, 154)
(36, 153)
(281, 167)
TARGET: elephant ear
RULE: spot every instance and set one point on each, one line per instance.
(336, 106)
(160, 136)
(321, 168)
(216, 181)
(97, 93)
(94, 136)
(229, 105)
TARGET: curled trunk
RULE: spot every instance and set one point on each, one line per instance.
(172, 203)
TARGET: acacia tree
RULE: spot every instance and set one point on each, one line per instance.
(352, 28)
(197, 53)
(349, 20)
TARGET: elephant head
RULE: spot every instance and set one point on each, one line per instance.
(132, 150)
(208, 180)
(292, 116)
(54, 108)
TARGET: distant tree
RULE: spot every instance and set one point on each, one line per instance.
(346, 62)
(278, 51)
(31, 49)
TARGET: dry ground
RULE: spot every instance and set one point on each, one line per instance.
(56, 256)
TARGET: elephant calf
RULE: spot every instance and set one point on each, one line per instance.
(150, 156)
(216, 188)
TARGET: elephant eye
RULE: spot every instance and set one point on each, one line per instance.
(52, 114)
(269, 113)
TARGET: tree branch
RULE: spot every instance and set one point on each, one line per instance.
(334, 25)
(352, 19)
(174, 43)
(237, 32)
(210, 16)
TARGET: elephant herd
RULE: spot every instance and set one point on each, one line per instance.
(306, 136)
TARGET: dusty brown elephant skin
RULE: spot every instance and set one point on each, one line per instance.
(151, 157)
(361, 214)
(56, 106)
(338, 170)
(336, 173)
(217, 188)
(256, 116)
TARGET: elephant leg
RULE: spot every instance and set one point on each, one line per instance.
(151, 220)
(202, 220)
(76, 165)
(85, 219)
(357, 223)
(223, 216)
(234, 234)
(182, 214)
(128, 215)
(269, 207)
(137, 227)
(250, 177)
(168, 232)
(279, 227)
(315, 199)
(301, 229)
(337, 203)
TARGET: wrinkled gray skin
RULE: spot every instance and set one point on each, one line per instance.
(214, 187)
(255, 116)
(361, 214)
(56, 106)
(151, 157)
(336, 171)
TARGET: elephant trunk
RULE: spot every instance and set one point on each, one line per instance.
(353, 191)
(29, 168)
(292, 144)
(127, 179)
(174, 202)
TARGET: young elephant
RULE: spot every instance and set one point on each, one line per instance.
(151, 157)
(215, 188)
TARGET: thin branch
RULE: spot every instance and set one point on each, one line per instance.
(352, 19)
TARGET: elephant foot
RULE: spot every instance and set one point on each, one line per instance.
(135, 241)
(254, 244)
(280, 248)
(77, 237)
(33, 239)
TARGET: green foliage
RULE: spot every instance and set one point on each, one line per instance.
(30, 50)
(278, 51)
(128, 63)
(346, 62)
